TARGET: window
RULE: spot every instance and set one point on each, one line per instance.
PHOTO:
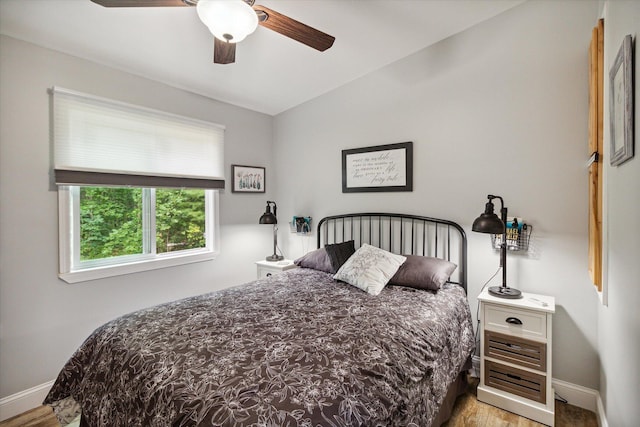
(107, 231)
(136, 186)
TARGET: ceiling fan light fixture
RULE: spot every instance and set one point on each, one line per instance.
(228, 20)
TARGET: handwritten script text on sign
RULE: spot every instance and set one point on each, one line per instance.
(377, 169)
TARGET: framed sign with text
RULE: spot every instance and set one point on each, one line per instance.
(378, 168)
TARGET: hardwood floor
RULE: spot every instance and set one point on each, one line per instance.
(468, 412)
(42, 416)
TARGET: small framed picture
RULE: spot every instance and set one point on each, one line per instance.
(621, 104)
(248, 179)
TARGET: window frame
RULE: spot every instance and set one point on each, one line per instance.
(74, 271)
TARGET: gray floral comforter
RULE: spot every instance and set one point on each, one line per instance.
(296, 349)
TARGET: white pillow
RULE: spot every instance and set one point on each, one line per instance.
(370, 268)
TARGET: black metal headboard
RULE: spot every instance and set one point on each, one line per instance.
(401, 234)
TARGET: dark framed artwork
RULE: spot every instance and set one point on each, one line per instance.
(621, 104)
(248, 179)
(378, 168)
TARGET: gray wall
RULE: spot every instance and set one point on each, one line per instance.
(42, 319)
(619, 322)
(500, 108)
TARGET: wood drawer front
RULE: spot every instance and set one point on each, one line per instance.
(519, 351)
(515, 381)
(509, 320)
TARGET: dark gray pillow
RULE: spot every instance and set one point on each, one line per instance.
(339, 253)
(423, 272)
(318, 260)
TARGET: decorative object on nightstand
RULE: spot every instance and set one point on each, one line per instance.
(515, 355)
(271, 218)
(488, 222)
(270, 268)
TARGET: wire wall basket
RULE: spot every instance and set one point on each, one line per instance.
(518, 237)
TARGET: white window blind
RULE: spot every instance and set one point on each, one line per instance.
(103, 142)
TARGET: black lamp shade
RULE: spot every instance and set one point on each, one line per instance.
(488, 222)
(267, 217)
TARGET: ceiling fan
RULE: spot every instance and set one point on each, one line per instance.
(230, 21)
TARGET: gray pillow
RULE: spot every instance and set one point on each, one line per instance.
(423, 272)
(317, 260)
(339, 253)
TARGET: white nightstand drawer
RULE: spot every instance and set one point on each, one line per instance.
(269, 268)
(514, 321)
(263, 272)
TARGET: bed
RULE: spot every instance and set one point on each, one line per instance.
(298, 348)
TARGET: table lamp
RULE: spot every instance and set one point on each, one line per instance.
(488, 222)
(271, 218)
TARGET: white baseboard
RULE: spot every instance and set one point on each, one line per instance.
(475, 366)
(576, 395)
(23, 401)
(602, 417)
(582, 397)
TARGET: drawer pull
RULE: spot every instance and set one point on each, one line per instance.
(514, 377)
(514, 321)
(269, 274)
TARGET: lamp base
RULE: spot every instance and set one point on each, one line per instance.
(275, 257)
(504, 292)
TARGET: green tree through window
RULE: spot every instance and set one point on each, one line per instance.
(112, 224)
(180, 220)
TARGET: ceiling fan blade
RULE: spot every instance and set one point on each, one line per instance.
(141, 3)
(294, 29)
(223, 52)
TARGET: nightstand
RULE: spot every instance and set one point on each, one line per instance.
(515, 355)
(269, 268)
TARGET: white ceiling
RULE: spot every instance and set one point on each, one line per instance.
(272, 73)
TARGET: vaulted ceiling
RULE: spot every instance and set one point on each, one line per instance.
(272, 73)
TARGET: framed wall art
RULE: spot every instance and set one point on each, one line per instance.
(378, 168)
(621, 104)
(248, 179)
